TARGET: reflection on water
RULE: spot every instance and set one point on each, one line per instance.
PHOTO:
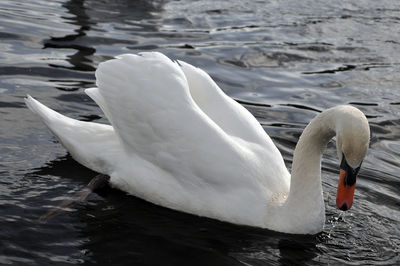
(283, 61)
(76, 41)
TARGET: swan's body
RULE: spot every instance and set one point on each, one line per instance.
(178, 141)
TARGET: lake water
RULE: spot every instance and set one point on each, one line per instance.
(283, 60)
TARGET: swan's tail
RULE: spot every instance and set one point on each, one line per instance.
(48, 115)
(91, 144)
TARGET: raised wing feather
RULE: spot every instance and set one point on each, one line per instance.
(233, 118)
(98, 98)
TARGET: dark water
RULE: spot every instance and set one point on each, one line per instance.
(283, 60)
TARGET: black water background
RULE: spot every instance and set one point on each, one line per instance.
(283, 60)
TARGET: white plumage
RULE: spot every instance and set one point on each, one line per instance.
(178, 141)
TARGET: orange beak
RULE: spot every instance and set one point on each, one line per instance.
(345, 193)
(346, 186)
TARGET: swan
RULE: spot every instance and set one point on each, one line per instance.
(177, 140)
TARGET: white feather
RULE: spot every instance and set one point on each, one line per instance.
(178, 141)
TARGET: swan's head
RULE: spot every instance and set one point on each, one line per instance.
(352, 141)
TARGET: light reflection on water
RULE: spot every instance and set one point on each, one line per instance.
(283, 61)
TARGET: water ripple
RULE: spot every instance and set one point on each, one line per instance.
(283, 61)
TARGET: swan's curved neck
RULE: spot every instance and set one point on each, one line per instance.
(305, 203)
(306, 168)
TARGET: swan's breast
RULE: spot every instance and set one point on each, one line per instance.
(278, 198)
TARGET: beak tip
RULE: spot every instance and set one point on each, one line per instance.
(343, 207)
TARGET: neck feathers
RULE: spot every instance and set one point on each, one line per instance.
(305, 203)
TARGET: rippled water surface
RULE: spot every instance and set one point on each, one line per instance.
(283, 60)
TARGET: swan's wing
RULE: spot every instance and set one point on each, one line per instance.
(91, 144)
(233, 118)
(238, 123)
(98, 98)
(147, 99)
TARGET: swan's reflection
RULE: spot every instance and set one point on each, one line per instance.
(87, 15)
(80, 59)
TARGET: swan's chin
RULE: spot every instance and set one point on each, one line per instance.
(345, 193)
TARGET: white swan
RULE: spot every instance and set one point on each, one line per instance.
(178, 141)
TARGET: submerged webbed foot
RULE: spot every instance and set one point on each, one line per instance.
(97, 182)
